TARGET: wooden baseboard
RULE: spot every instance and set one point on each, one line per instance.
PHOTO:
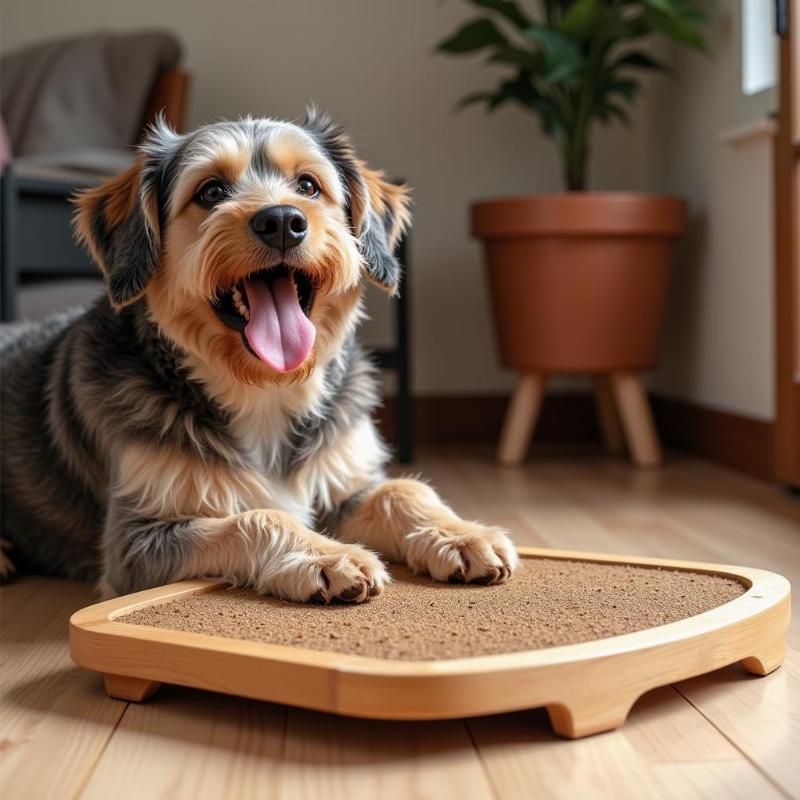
(448, 419)
(736, 441)
(733, 440)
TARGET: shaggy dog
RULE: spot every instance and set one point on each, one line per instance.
(213, 413)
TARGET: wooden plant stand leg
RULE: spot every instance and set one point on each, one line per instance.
(637, 419)
(126, 688)
(520, 420)
(607, 414)
(766, 660)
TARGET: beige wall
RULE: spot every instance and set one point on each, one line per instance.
(718, 349)
(370, 63)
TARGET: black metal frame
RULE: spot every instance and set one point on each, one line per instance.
(399, 360)
(13, 266)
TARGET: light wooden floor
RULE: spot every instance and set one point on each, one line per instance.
(723, 735)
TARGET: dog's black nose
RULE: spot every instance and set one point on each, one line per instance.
(281, 227)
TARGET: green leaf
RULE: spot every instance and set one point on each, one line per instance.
(472, 99)
(628, 89)
(635, 28)
(550, 119)
(506, 8)
(611, 110)
(687, 10)
(562, 56)
(500, 99)
(667, 6)
(475, 35)
(611, 26)
(580, 19)
(508, 54)
(554, 7)
(637, 58)
(562, 72)
(520, 89)
(677, 28)
(553, 41)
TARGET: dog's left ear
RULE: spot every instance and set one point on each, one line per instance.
(379, 211)
(119, 225)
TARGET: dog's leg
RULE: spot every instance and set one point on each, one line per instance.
(408, 522)
(269, 551)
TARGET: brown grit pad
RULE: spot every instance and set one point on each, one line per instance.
(547, 603)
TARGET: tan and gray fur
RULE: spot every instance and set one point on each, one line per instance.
(143, 443)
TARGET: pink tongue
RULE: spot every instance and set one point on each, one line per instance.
(280, 334)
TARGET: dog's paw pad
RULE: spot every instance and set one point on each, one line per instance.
(349, 574)
(463, 552)
(353, 592)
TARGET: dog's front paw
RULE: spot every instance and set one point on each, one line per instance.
(349, 574)
(330, 572)
(462, 552)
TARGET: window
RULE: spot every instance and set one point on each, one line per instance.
(759, 46)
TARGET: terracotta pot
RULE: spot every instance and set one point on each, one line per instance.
(579, 281)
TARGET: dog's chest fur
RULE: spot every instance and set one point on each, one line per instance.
(291, 439)
(311, 444)
(123, 419)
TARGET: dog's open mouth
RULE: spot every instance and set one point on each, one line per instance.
(271, 309)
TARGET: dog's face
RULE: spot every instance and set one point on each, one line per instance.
(249, 240)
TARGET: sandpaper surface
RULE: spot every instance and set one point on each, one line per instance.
(548, 602)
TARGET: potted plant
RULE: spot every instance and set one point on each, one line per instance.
(578, 279)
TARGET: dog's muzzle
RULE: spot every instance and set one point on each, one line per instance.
(271, 310)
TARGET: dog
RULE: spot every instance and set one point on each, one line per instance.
(211, 414)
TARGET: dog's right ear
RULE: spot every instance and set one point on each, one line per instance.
(118, 223)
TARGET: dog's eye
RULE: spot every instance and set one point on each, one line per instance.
(307, 186)
(211, 193)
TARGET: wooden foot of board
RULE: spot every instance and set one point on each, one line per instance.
(585, 719)
(637, 419)
(766, 660)
(607, 414)
(520, 420)
(127, 688)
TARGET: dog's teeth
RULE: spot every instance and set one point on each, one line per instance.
(238, 301)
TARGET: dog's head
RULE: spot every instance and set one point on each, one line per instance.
(248, 240)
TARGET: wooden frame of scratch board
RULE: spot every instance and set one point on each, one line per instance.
(587, 687)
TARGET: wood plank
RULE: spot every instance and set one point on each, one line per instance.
(55, 719)
(193, 745)
(752, 713)
(665, 746)
(342, 758)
